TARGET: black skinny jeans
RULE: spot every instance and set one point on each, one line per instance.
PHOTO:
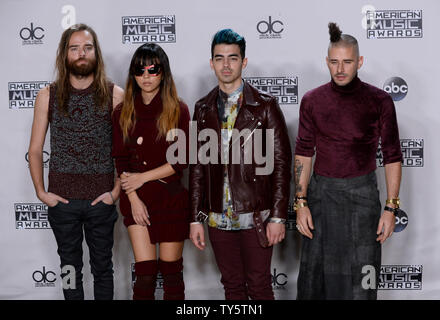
(67, 222)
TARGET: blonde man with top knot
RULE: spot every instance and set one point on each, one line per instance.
(338, 210)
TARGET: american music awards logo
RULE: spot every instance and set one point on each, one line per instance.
(143, 29)
(400, 277)
(386, 24)
(285, 89)
(159, 281)
(22, 94)
(291, 217)
(412, 151)
(31, 216)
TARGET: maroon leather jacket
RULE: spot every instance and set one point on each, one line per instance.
(249, 192)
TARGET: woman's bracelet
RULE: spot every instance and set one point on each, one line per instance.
(113, 200)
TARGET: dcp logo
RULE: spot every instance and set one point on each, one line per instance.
(44, 278)
(401, 221)
(32, 33)
(45, 157)
(279, 279)
(270, 26)
(270, 29)
(396, 87)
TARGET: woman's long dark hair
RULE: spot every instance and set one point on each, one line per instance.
(145, 55)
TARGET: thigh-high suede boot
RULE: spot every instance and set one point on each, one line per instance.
(145, 285)
(173, 285)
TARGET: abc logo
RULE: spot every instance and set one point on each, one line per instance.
(270, 26)
(401, 221)
(396, 87)
(32, 33)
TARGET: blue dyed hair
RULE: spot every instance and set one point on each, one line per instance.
(228, 36)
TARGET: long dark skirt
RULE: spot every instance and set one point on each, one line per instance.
(345, 214)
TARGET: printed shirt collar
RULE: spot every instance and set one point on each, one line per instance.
(232, 96)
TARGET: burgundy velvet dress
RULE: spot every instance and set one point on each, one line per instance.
(167, 201)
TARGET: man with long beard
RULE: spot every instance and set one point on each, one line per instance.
(82, 186)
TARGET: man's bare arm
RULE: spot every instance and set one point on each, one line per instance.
(302, 170)
(38, 136)
(393, 176)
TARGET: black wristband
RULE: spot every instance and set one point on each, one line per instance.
(300, 198)
(393, 210)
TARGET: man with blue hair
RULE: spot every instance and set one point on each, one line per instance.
(245, 208)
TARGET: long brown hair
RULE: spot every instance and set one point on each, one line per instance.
(148, 54)
(100, 84)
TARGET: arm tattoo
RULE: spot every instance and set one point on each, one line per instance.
(298, 170)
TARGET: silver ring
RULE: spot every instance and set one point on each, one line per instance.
(298, 226)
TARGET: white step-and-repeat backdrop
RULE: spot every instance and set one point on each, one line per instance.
(286, 47)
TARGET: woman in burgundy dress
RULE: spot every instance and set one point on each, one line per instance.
(155, 204)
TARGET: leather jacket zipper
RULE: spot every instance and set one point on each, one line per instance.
(202, 118)
(256, 124)
(250, 135)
